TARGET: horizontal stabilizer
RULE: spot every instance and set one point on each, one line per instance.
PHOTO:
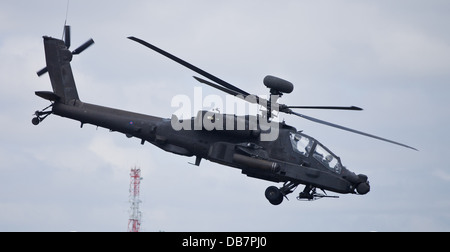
(47, 95)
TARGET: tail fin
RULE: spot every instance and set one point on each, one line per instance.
(58, 59)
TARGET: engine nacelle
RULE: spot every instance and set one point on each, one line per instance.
(238, 126)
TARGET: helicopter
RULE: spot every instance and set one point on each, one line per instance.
(259, 146)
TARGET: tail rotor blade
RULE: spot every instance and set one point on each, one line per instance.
(67, 43)
(42, 71)
(77, 51)
(83, 47)
(67, 36)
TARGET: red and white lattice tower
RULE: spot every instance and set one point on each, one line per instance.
(134, 223)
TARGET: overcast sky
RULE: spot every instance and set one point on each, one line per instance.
(391, 58)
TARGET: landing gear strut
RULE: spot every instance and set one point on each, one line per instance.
(275, 195)
(41, 115)
(310, 193)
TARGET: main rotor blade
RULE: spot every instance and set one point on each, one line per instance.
(254, 99)
(83, 47)
(214, 85)
(190, 66)
(348, 129)
(326, 107)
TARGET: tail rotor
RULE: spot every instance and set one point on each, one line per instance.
(67, 39)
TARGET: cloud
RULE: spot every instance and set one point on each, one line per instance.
(391, 58)
(405, 50)
(442, 174)
(119, 158)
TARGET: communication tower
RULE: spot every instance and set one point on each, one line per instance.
(134, 223)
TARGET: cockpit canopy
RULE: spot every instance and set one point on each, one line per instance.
(307, 146)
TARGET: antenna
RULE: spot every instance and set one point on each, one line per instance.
(134, 222)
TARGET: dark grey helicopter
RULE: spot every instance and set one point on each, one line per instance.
(261, 147)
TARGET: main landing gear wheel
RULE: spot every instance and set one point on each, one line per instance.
(274, 195)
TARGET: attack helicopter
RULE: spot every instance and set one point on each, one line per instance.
(259, 146)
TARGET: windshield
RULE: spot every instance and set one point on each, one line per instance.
(307, 146)
(301, 144)
(328, 159)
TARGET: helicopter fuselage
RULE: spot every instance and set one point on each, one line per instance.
(277, 161)
(258, 146)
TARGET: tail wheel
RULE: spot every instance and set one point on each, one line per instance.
(35, 121)
(41, 115)
(273, 195)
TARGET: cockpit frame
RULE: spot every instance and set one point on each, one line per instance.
(314, 151)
